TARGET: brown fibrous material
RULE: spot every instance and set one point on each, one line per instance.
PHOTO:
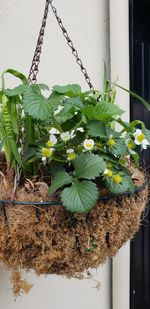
(51, 240)
(20, 286)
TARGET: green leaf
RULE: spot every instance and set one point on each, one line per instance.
(75, 101)
(19, 90)
(72, 123)
(105, 82)
(102, 111)
(55, 99)
(96, 128)
(29, 153)
(14, 150)
(14, 116)
(120, 148)
(61, 178)
(80, 197)
(133, 94)
(88, 166)
(2, 142)
(147, 134)
(17, 74)
(36, 105)
(55, 168)
(68, 90)
(126, 185)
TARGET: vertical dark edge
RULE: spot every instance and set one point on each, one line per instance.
(139, 18)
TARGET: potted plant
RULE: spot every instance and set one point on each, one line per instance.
(71, 189)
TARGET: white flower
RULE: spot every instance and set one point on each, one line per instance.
(66, 136)
(54, 131)
(88, 144)
(108, 173)
(71, 155)
(140, 139)
(58, 110)
(105, 172)
(53, 139)
(80, 129)
(70, 150)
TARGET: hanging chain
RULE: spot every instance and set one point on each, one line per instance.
(37, 54)
(36, 59)
(70, 43)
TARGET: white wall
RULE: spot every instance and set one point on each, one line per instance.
(119, 53)
(87, 22)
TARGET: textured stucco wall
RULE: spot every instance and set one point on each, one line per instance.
(87, 23)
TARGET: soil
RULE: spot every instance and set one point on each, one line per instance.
(51, 240)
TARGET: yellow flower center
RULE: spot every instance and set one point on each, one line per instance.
(50, 144)
(71, 156)
(140, 137)
(109, 173)
(46, 152)
(111, 142)
(131, 145)
(117, 178)
(88, 145)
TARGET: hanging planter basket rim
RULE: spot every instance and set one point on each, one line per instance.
(103, 198)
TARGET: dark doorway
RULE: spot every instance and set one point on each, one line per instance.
(140, 83)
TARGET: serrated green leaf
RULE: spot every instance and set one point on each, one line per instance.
(74, 101)
(71, 106)
(36, 105)
(96, 128)
(80, 197)
(102, 111)
(55, 99)
(17, 90)
(88, 166)
(68, 89)
(61, 178)
(120, 148)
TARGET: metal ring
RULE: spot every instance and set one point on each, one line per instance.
(103, 198)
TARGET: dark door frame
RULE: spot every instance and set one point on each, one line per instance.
(140, 83)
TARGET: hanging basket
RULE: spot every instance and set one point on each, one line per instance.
(45, 237)
(37, 232)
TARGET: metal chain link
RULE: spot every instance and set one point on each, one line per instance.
(71, 45)
(38, 50)
(36, 59)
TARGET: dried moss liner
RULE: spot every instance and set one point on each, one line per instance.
(103, 198)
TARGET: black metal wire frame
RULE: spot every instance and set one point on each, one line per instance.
(104, 198)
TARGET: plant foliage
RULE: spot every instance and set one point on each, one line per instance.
(71, 136)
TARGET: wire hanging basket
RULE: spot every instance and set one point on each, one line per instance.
(42, 235)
